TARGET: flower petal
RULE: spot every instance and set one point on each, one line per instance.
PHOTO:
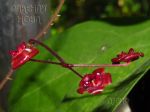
(127, 57)
(98, 71)
(94, 83)
(23, 54)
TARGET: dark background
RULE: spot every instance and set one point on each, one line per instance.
(75, 11)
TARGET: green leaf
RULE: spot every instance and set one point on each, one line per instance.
(50, 88)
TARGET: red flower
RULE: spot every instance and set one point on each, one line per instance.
(94, 83)
(127, 57)
(23, 54)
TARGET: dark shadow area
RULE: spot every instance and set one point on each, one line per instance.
(139, 97)
(126, 21)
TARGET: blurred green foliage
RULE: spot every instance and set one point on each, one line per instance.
(75, 11)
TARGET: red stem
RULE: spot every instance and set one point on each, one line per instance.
(44, 61)
(75, 72)
(62, 62)
(65, 65)
(81, 65)
(100, 65)
(47, 48)
(70, 66)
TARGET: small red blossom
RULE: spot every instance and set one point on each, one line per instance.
(127, 57)
(94, 83)
(23, 54)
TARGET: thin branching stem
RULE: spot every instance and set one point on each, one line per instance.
(62, 62)
(100, 65)
(44, 61)
(51, 20)
(6, 78)
(48, 49)
(65, 65)
(75, 72)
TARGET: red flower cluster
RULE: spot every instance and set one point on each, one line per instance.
(95, 83)
(127, 57)
(23, 54)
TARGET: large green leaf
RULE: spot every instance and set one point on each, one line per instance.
(49, 88)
